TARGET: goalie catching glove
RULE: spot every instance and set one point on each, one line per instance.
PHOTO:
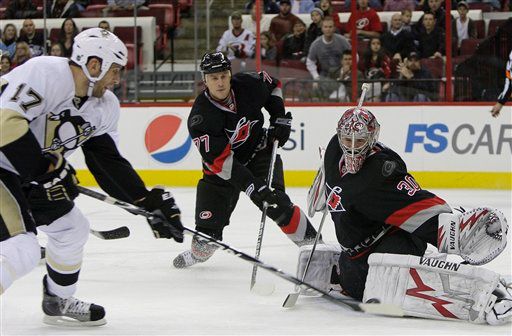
(166, 222)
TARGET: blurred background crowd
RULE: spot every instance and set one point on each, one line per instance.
(320, 50)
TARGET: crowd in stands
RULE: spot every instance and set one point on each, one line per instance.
(398, 60)
(393, 59)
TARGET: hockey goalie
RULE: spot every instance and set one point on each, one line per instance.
(384, 222)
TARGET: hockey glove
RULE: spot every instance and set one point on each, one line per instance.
(58, 184)
(166, 223)
(259, 193)
(280, 129)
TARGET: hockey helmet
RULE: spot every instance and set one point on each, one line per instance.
(100, 43)
(214, 62)
(358, 131)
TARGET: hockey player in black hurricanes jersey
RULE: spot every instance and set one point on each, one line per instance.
(383, 222)
(226, 125)
(49, 107)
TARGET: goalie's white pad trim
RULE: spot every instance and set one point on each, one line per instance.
(431, 288)
(478, 235)
(317, 198)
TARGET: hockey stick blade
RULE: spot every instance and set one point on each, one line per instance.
(291, 300)
(372, 308)
(118, 233)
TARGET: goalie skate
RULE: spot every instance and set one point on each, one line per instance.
(200, 252)
(70, 311)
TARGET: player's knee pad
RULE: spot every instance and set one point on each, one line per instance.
(214, 206)
(324, 262)
(296, 225)
(434, 288)
(66, 239)
(478, 235)
(18, 256)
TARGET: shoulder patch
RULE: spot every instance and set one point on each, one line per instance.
(388, 167)
(196, 120)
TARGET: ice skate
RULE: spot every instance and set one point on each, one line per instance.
(70, 311)
(199, 252)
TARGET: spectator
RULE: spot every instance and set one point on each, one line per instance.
(302, 6)
(57, 50)
(236, 42)
(463, 27)
(250, 24)
(104, 25)
(406, 20)
(21, 9)
(325, 52)
(398, 5)
(376, 4)
(293, 44)
(315, 28)
(34, 39)
(417, 84)
(67, 33)
(268, 46)
(397, 42)
(283, 23)
(344, 75)
(328, 10)
(439, 15)
(62, 9)
(367, 21)
(5, 64)
(375, 65)
(270, 7)
(430, 40)
(119, 5)
(22, 54)
(8, 42)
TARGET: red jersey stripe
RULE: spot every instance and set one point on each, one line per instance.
(402, 215)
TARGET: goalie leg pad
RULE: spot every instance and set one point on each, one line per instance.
(320, 268)
(431, 288)
(478, 235)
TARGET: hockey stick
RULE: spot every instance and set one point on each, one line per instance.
(291, 299)
(364, 87)
(372, 308)
(264, 289)
(117, 233)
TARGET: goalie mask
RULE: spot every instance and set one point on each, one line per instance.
(358, 131)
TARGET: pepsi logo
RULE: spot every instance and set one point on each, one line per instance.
(167, 139)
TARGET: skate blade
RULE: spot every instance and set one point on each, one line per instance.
(70, 322)
(263, 289)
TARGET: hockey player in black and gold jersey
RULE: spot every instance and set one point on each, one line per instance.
(226, 125)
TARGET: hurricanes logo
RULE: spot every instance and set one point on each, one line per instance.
(241, 133)
(334, 199)
(65, 132)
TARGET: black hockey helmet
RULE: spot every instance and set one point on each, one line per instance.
(215, 62)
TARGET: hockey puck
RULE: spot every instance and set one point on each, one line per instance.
(373, 300)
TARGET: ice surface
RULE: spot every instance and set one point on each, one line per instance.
(143, 294)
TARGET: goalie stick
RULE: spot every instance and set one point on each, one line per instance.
(372, 308)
